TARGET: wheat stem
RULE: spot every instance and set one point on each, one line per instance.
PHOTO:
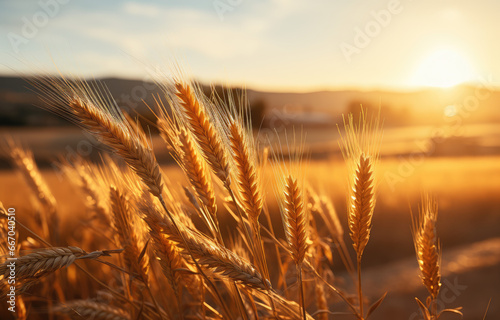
(302, 298)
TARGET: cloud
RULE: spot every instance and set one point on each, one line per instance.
(140, 9)
(178, 29)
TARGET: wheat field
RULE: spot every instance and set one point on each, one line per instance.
(237, 230)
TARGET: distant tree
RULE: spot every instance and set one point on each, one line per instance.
(258, 109)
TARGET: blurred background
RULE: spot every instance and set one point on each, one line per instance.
(431, 68)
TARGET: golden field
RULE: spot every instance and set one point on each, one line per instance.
(467, 189)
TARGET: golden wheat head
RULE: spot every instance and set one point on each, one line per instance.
(203, 129)
(360, 146)
(427, 246)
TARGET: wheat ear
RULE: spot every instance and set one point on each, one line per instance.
(362, 205)
(87, 309)
(247, 179)
(360, 147)
(125, 142)
(167, 253)
(80, 174)
(30, 268)
(204, 131)
(27, 166)
(249, 188)
(427, 247)
(217, 258)
(92, 107)
(25, 163)
(198, 174)
(295, 221)
(127, 236)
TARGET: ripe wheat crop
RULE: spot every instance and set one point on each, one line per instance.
(149, 248)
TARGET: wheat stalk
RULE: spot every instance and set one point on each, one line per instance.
(249, 188)
(360, 146)
(321, 303)
(87, 309)
(295, 221)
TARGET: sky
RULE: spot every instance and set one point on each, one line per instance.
(275, 45)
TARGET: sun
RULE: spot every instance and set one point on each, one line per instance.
(443, 68)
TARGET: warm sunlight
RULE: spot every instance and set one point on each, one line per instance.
(443, 68)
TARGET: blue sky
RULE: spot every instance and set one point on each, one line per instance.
(271, 45)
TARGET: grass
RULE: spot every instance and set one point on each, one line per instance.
(205, 240)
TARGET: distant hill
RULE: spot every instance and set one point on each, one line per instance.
(18, 104)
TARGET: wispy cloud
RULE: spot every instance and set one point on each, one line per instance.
(141, 9)
(285, 43)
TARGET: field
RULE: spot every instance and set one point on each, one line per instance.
(466, 188)
(249, 160)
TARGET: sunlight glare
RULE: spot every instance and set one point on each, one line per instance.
(443, 68)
